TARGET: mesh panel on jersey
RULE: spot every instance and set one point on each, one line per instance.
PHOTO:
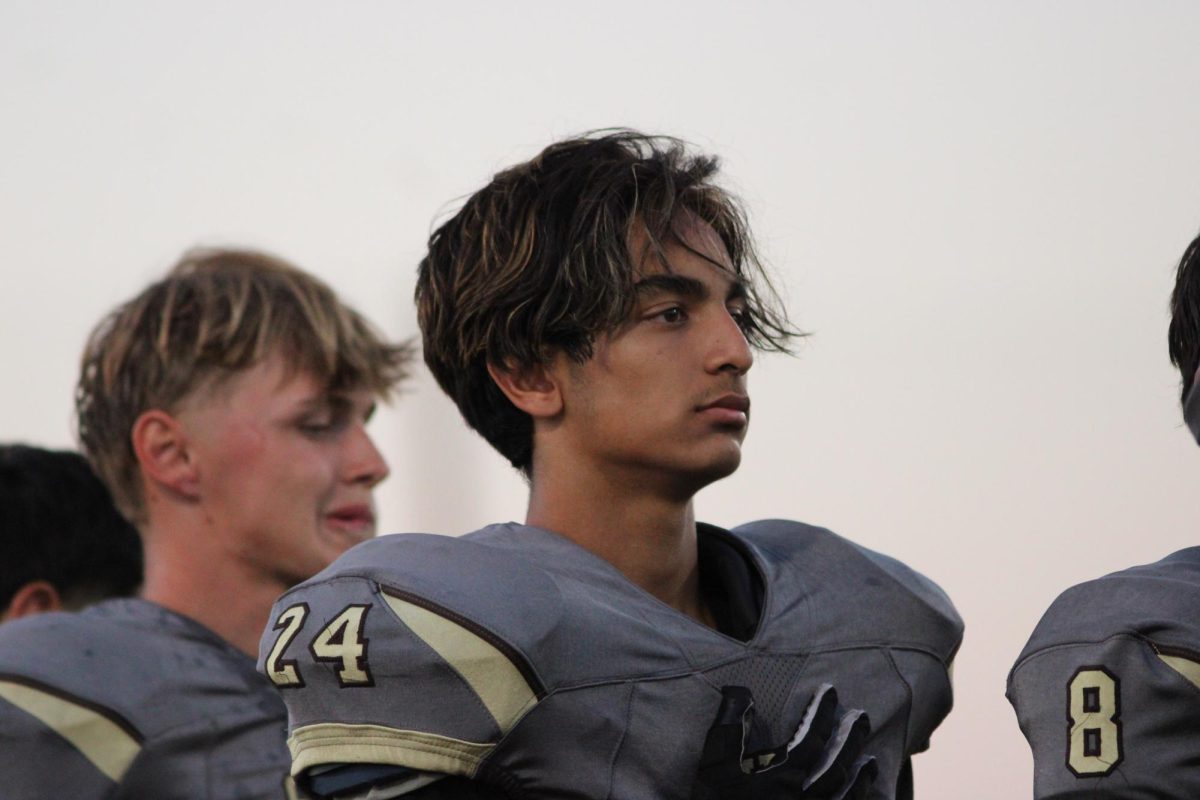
(771, 680)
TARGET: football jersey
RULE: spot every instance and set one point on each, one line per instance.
(125, 700)
(1107, 691)
(514, 657)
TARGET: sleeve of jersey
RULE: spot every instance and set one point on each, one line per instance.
(379, 675)
(927, 631)
(57, 745)
(1110, 719)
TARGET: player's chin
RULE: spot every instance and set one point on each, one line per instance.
(720, 463)
(727, 466)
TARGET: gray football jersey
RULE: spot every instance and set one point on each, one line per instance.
(128, 700)
(516, 658)
(1107, 691)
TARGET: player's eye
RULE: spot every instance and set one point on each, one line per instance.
(673, 315)
(742, 316)
(329, 418)
(315, 427)
(324, 424)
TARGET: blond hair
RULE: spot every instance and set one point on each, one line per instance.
(218, 311)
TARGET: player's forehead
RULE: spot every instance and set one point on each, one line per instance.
(280, 381)
(693, 233)
(691, 250)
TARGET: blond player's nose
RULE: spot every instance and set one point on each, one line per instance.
(365, 463)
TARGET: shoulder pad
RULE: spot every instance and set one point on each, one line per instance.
(383, 657)
(1159, 601)
(1114, 718)
(855, 593)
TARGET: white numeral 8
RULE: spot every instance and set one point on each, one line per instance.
(1094, 726)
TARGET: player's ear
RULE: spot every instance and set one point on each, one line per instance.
(532, 389)
(35, 597)
(162, 448)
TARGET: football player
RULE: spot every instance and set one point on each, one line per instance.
(224, 406)
(65, 544)
(1107, 690)
(594, 314)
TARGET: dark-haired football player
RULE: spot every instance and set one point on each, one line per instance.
(594, 314)
(1107, 690)
(224, 407)
(65, 545)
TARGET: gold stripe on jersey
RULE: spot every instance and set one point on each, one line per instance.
(1184, 666)
(489, 673)
(103, 742)
(336, 743)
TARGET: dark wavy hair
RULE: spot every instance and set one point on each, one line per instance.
(1183, 334)
(58, 524)
(538, 261)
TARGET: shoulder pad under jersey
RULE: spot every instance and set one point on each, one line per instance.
(127, 693)
(854, 594)
(1107, 690)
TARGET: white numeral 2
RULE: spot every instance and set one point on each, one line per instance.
(285, 673)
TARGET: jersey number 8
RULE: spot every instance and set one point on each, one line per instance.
(1093, 722)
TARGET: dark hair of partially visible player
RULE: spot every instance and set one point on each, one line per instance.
(539, 262)
(1183, 334)
(58, 524)
(217, 312)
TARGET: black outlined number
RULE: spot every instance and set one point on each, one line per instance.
(342, 642)
(1093, 722)
(283, 672)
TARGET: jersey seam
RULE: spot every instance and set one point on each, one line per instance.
(473, 695)
(616, 752)
(104, 711)
(1155, 648)
(513, 654)
(911, 699)
(1165, 650)
(908, 592)
(1079, 643)
(700, 669)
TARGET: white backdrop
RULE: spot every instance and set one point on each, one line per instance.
(975, 207)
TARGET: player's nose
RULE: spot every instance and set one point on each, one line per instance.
(729, 350)
(364, 463)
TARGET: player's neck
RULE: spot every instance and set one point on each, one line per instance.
(647, 534)
(187, 576)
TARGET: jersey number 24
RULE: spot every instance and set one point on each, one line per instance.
(341, 642)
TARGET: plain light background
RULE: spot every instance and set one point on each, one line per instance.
(975, 207)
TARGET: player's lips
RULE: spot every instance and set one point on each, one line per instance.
(357, 520)
(730, 409)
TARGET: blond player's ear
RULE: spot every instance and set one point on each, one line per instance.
(162, 448)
